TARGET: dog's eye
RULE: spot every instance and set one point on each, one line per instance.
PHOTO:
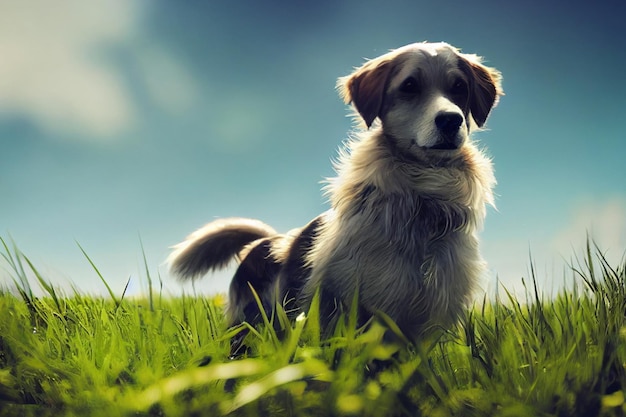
(459, 87)
(409, 86)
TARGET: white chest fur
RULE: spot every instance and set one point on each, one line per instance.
(403, 235)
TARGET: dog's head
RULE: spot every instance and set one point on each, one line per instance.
(428, 96)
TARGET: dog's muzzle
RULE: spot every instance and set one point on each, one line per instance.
(448, 125)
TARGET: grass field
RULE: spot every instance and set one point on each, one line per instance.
(77, 355)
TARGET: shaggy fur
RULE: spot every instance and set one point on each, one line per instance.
(406, 204)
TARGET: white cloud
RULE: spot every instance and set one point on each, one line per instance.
(49, 70)
(509, 259)
(169, 84)
(55, 72)
(605, 221)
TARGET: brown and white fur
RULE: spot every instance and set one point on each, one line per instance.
(406, 205)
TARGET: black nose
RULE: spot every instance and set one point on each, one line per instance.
(448, 123)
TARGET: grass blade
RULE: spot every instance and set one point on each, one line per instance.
(95, 268)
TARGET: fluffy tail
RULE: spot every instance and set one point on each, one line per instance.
(214, 245)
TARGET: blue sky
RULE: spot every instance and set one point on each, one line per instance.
(134, 118)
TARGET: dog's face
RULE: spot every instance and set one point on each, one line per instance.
(428, 96)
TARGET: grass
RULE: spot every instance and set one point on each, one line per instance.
(78, 355)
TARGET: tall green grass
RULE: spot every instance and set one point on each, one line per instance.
(79, 355)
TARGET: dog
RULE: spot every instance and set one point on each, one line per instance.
(407, 203)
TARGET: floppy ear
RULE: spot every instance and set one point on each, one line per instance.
(485, 87)
(365, 88)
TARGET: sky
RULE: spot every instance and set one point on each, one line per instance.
(125, 125)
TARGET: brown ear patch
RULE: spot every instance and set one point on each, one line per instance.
(485, 87)
(365, 89)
